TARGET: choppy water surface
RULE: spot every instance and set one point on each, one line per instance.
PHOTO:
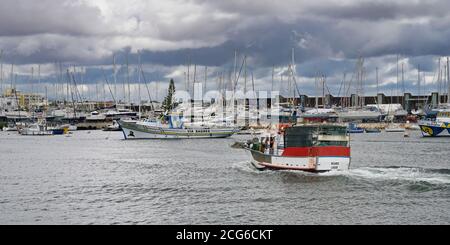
(98, 178)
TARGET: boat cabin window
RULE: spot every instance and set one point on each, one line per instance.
(308, 136)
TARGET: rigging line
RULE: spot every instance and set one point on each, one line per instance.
(77, 93)
(340, 87)
(239, 74)
(107, 83)
(295, 80)
(71, 93)
(146, 86)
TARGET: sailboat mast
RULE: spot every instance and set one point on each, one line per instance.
(376, 69)
(396, 89)
(439, 80)
(206, 78)
(323, 91)
(188, 75)
(317, 90)
(12, 76)
(245, 74)
(418, 80)
(235, 64)
(403, 80)
(448, 81)
(31, 100)
(139, 83)
(1, 71)
(39, 79)
(273, 73)
(193, 82)
(115, 78)
(128, 81)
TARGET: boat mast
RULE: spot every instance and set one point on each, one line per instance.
(188, 75)
(31, 100)
(12, 75)
(323, 91)
(396, 90)
(448, 81)
(128, 81)
(316, 85)
(96, 90)
(1, 71)
(403, 80)
(273, 73)
(115, 79)
(139, 83)
(235, 64)
(439, 80)
(73, 102)
(245, 75)
(206, 78)
(376, 69)
(39, 79)
(148, 90)
(193, 82)
(418, 80)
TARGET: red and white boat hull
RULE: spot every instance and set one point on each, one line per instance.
(321, 159)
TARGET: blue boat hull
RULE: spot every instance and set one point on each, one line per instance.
(434, 130)
(355, 131)
(58, 131)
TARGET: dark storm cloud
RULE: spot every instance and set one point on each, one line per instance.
(328, 36)
(379, 10)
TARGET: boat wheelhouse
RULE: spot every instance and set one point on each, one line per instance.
(311, 148)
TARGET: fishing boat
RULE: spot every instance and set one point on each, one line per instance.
(354, 129)
(175, 129)
(310, 148)
(435, 126)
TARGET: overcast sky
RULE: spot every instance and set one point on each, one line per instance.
(327, 36)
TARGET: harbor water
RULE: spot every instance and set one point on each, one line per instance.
(98, 178)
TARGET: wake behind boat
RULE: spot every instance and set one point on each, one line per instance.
(175, 129)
